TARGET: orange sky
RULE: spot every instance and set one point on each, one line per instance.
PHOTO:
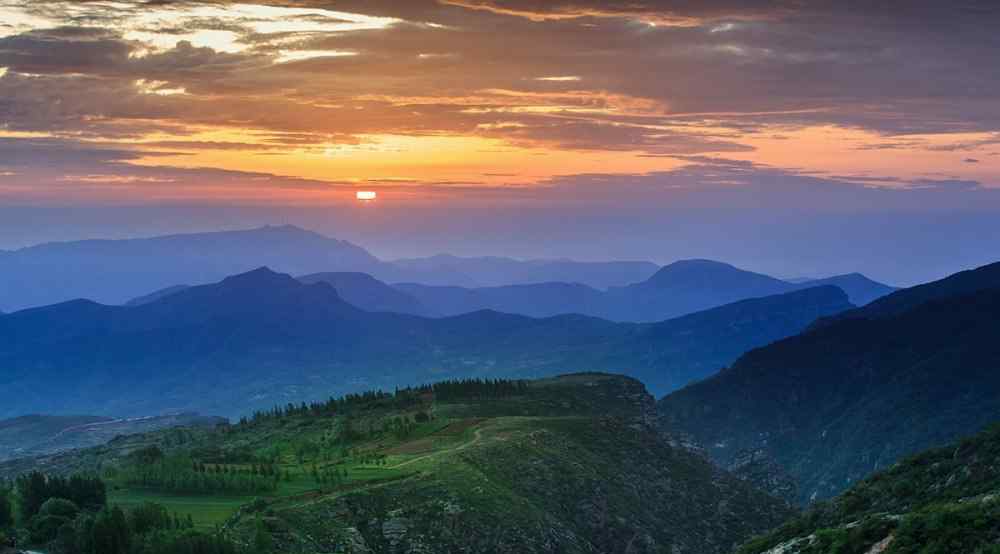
(435, 96)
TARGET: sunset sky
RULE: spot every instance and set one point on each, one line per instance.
(795, 137)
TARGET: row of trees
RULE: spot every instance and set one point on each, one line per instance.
(180, 474)
(35, 488)
(145, 529)
(401, 399)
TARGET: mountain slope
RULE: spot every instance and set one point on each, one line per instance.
(570, 464)
(491, 271)
(832, 405)
(262, 338)
(945, 500)
(366, 292)
(678, 289)
(533, 300)
(860, 289)
(964, 282)
(36, 435)
(689, 286)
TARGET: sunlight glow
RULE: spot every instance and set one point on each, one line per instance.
(366, 195)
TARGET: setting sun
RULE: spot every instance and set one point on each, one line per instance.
(366, 195)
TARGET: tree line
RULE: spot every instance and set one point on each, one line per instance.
(400, 399)
(70, 515)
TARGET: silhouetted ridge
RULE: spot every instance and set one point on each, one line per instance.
(964, 282)
(856, 394)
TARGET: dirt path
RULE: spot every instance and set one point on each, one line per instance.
(477, 436)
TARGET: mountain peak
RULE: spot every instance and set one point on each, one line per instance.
(261, 277)
(703, 273)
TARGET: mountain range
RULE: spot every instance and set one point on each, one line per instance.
(121, 271)
(261, 338)
(677, 289)
(858, 391)
(114, 271)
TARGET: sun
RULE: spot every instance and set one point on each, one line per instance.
(366, 195)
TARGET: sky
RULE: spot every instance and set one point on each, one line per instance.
(801, 138)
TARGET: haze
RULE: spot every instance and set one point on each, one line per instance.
(826, 136)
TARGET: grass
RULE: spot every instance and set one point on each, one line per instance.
(206, 511)
(419, 452)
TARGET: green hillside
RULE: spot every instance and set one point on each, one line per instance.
(569, 464)
(945, 501)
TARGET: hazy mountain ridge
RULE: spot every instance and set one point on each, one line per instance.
(835, 403)
(261, 337)
(37, 435)
(114, 271)
(139, 270)
(494, 271)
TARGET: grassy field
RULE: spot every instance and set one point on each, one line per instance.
(206, 511)
(420, 451)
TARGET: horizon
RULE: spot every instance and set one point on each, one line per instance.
(756, 133)
(266, 227)
(612, 257)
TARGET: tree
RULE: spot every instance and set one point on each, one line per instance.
(6, 510)
(262, 542)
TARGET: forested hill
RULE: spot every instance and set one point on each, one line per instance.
(834, 404)
(943, 501)
(570, 464)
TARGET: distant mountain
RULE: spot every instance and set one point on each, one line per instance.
(854, 395)
(39, 435)
(368, 293)
(447, 270)
(535, 300)
(697, 345)
(860, 289)
(113, 271)
(680, 288)
(359, 289)
(689, 286)
(944, 500)
(156, 295)
(263, 338)
(962, 283)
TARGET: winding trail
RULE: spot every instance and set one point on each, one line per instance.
(477, 436)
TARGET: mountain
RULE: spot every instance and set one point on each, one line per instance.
(359, 289)
(263, 338)
(534, 300)
(689, 286)
(680, 288)
(491, 271)
(368, 293)
(945, 500)
(113, 271)
(571, 464)
(834, 404)
(860, 289)
(156, 295)
(961, 283)
(672, 353)
(36, 435)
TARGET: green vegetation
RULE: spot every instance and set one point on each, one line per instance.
(940, 502)
(568, 464)
(71, 516)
